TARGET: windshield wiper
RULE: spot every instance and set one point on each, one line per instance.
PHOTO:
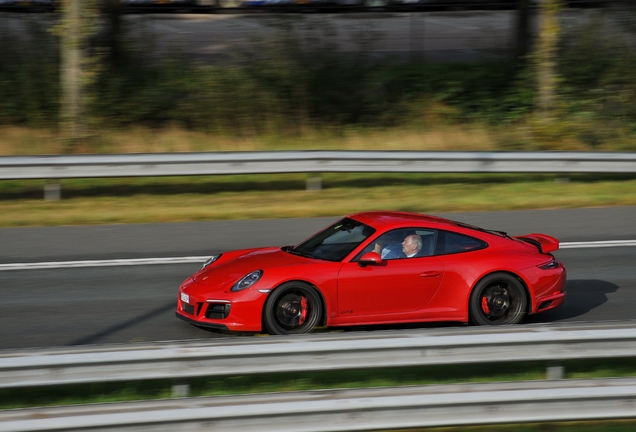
(299, 253)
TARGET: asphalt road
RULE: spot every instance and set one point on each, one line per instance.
(58, 307)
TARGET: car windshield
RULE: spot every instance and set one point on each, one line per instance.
(335, 242)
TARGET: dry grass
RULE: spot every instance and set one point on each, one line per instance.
(23, 141)
(16, 140)
(143, 208)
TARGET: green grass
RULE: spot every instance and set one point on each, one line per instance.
(148, 200)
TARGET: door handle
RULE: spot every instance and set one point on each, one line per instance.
(431, 273)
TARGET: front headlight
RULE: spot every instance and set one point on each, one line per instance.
(209, 261)
(247, 280)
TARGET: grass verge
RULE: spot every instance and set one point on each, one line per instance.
(16, 140)
(151, 200)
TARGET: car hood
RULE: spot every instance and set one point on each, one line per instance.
(234, 265)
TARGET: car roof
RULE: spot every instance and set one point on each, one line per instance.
(393, 218)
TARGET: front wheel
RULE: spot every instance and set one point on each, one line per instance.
(498, 299)
(292, 308)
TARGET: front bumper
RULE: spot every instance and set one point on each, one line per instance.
(198, 324)
(240, 311)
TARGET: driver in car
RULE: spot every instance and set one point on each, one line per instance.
(411, 245)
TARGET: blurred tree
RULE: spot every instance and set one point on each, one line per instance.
(77, 25)
(545, 57)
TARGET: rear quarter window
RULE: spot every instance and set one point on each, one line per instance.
(450, 243)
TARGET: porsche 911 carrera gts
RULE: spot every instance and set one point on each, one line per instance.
(377, 268)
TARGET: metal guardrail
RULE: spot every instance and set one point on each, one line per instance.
(319, 161)
(342, 410)
(348, 410)
(319, 352)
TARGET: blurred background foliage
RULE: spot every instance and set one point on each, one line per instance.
(288, 90)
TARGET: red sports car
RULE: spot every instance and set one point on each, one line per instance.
(377, 268)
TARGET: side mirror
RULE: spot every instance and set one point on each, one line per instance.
(370, 258)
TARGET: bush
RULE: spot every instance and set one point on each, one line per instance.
(281, 87)
(29, 74)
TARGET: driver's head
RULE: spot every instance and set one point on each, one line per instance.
(412, 244)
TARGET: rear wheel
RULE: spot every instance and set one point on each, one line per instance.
(498, 299)
(292, 308)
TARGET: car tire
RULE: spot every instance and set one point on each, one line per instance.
(292, 308)
(498, 299)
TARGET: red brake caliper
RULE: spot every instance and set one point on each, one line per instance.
(484, 305)
(303, 310)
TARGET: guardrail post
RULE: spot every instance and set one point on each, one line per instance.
(52, 192)
(180, 388)
(555, 371)
(314, 183)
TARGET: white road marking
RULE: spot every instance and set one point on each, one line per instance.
(201, 259)
(103, 263)
(597, 244)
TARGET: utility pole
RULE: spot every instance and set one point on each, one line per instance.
(71, 72)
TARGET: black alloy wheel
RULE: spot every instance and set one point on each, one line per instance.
(498, 299)
(292, 308)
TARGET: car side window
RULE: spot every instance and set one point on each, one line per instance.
(390, 245)
(450, 243)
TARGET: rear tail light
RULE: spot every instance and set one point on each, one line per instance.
(553, 263)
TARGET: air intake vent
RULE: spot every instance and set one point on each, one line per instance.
(544, 305)
(217, 310)
(188, 308)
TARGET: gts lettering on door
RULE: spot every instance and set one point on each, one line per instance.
(346, 312)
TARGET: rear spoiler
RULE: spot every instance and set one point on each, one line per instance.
(543, 242)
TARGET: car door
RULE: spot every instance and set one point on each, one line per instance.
(392, 287)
